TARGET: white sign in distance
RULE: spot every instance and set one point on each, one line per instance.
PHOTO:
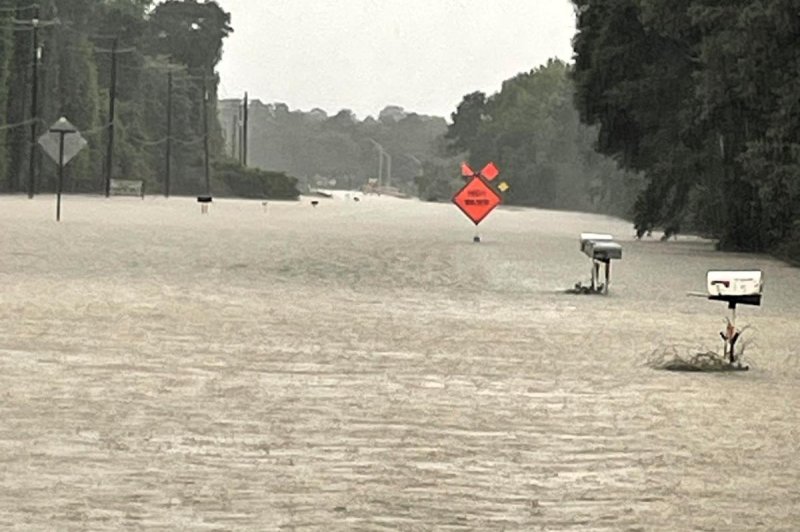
(73, 141)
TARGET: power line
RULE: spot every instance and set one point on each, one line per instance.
(36, 23)
(147, 143)
(19, 124)
(115, 50)
(155, 68)
(17, 9)
(95, 130)
(16, 28)
(69, 27)
(162, 140)
(188, 77)
(193, 142)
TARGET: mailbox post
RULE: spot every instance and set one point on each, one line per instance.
(602, 249)
(734, 288)
(204, 201)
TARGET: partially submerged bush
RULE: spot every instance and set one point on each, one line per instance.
(255, 183)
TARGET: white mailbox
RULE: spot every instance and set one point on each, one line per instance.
(604, 251)
(589, 238)
(601, 248)
(743, 287)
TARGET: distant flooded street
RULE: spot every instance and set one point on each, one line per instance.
(365, 366)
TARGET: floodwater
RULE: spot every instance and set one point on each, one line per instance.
(365, 366)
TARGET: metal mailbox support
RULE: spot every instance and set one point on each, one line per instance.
(735, 288)
(204, 202)
(602, 249)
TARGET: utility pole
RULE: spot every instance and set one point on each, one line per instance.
(205, 135)
(244, 132)
(34, 103)
(239, 124)
(112, 102)
(234, 135)
(169, 135)
(19, 180)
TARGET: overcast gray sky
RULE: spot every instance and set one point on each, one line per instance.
(423, 55)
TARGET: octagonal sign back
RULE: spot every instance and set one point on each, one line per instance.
(476, 200)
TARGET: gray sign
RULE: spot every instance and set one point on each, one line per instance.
(73, 142)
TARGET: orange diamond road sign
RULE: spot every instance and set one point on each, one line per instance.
(476, 199)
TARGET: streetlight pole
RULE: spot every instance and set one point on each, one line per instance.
(416, 160)
(381, 153)
(245, 129)
(234, 135)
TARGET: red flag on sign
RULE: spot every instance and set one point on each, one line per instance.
(466, 171)
(490, 171)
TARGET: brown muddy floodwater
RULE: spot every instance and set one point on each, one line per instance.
(365, 366)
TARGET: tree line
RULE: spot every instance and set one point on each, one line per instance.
(701, 97)
(157, 65)
(339, 150)
(532, 131)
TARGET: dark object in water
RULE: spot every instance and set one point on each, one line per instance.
(698, 362)
(581, 289)
(681, 365)
(356, 199)
(476, 239)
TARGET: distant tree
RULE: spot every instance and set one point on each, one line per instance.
(697, 95)
(189, 33)
(464, 132)
(74, 80)
(531, 129)
(339, 147)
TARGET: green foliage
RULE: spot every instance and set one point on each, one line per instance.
(70, 88)
(702, 97)
(75, 80)
(313, 145)
(532, 131)
(438, 181)
(18, 105)
(189, 32)
(255, 183)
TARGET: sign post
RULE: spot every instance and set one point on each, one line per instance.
(477, 198)
(61, 149)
